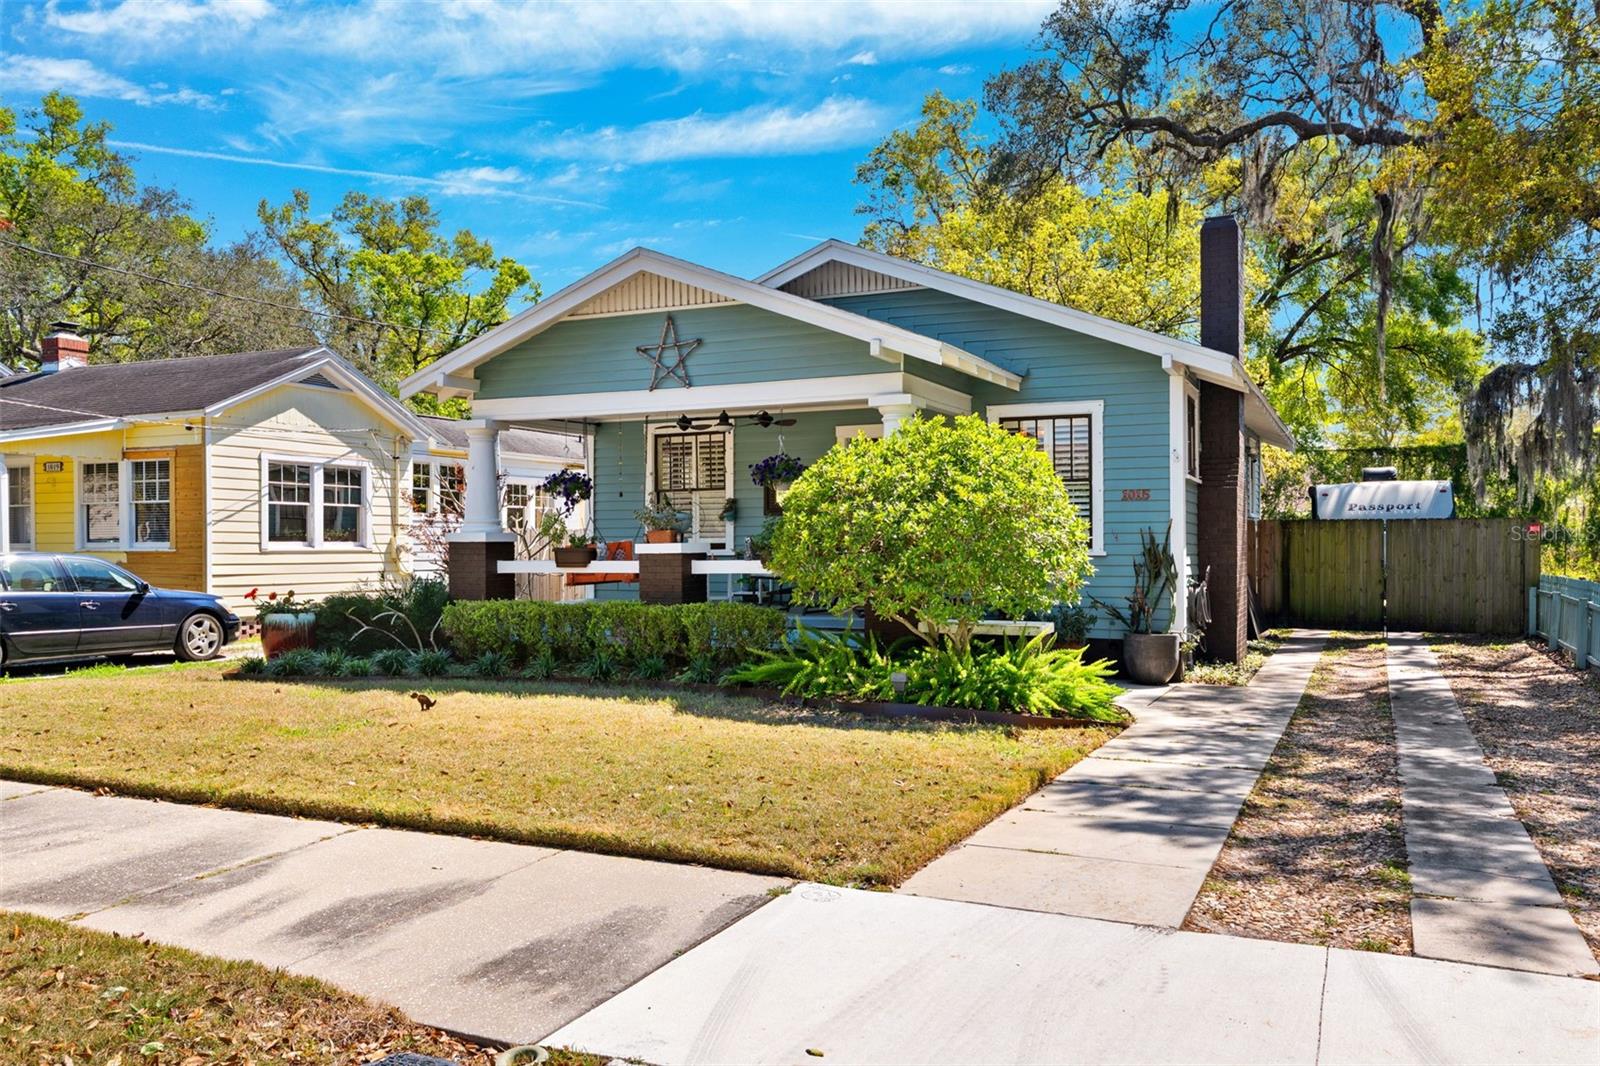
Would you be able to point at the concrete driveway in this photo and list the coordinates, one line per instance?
(498, 941)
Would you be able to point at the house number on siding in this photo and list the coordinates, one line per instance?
(1135, 494)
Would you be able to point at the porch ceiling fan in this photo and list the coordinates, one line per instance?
(764, 419)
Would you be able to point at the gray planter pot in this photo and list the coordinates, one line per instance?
(1150, 658)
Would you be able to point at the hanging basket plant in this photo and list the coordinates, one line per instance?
(776, 470)
(568, 488)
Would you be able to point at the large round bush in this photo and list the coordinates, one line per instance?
(941, 523)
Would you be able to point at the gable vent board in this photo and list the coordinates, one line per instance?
(647, 292)
(319, 381)
(842, 279)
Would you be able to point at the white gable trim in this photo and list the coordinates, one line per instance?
(885, 341)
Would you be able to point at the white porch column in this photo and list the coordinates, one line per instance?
(896, 408)
(481, 520)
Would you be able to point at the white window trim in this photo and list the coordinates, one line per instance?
(124, 507)
(650, 473)
(1191, 435)
(6, 543)
(314, 517)
(130, 528)
(1096, 410)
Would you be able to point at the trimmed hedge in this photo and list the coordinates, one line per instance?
(721, 634)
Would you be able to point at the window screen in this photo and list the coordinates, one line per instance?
(289, 503)
(1069, 441)
(342, 501)
(151, 483)
(19, 506)
(102, 503)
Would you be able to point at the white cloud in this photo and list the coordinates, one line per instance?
(864, 59)
(448, 182)
(762, 130)
(955, 70)
(487, 37)
(149, 21)
(485, 175)
(79, 77)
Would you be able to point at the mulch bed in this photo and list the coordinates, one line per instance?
(1317, 855)
(1538, 721)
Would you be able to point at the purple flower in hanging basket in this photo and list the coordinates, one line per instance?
(569, 488)
(776, 469)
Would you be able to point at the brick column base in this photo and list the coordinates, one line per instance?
(670, 578)
(475, 570)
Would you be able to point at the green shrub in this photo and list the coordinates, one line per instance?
(525, 630)
(492, 664)
(701, 670)
(651, 668)
(541, 667)
(391, 662)
(601, 665)
(404, 615)
(298, 663)
(330, 663)
(254, 666)
(1027, 677)
(356, 666)
(430, 663)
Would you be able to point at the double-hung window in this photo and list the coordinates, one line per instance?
(100, 501)
(1070, 434)
(314, 504)
(452, 488)
(691, 471)
(150, 481)
(421, 484)
(1191, 431)
(19, 506)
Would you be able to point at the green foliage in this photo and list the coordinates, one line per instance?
(701, 670)
(254, 666)
(1155, 581)
(403, 614)
(1073, 621)
(356, 666)
(330, 663)
(568, 633)
(298, 663)
(378, 259)
(651, 668)
(391, 662)
(940, 523)
(542, 667)
(492, 664)
(603, 664)
(433, 662)
(1026, 677)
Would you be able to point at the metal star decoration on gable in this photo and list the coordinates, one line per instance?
(661, 368)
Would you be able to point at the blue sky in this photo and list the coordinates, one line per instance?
(565, 133)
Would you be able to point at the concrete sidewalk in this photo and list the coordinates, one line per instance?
(1130, 833)
(1482, 891)
(499, 941)
(865, 977)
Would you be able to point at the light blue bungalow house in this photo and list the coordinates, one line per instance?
(680, 378)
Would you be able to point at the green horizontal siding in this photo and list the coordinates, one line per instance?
(739, 344)
(1059, 364)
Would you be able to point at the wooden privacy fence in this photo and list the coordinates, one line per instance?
(1457, 575)
(1566, 613)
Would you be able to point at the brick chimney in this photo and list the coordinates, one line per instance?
(1222, 536)
(63, 349)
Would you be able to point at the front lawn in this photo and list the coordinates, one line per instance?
(69, 994)
(723, 780)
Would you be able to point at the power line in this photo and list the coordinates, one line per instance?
(295, 309)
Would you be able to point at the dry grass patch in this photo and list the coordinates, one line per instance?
(1538, 722)
(69, 994)
(722, 780)
(1317, 855)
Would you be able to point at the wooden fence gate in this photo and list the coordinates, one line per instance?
(1457, 575)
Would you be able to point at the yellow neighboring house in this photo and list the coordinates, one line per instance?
(273, 470)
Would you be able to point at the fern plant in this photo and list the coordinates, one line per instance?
(822, 665)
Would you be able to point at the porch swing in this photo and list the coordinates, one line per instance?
(620, 551)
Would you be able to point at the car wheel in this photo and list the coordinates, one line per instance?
(200, 637)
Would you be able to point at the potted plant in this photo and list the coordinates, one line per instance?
(759, 547)
(1149, 658)
(578, 550)
(285, 622)
(775, 474)
(1073, 622)
(663, 523)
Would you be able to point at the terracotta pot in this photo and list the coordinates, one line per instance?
(576, 556)
(1150, 658)
(286, 632)
(662, 536)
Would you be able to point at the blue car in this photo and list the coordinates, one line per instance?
(80, 607)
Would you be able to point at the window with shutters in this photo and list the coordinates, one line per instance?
(151, 483)
(1071, 436)
(691, 470)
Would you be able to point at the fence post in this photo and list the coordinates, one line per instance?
(1533, 610)
(1580, 643)
(1553, 627)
